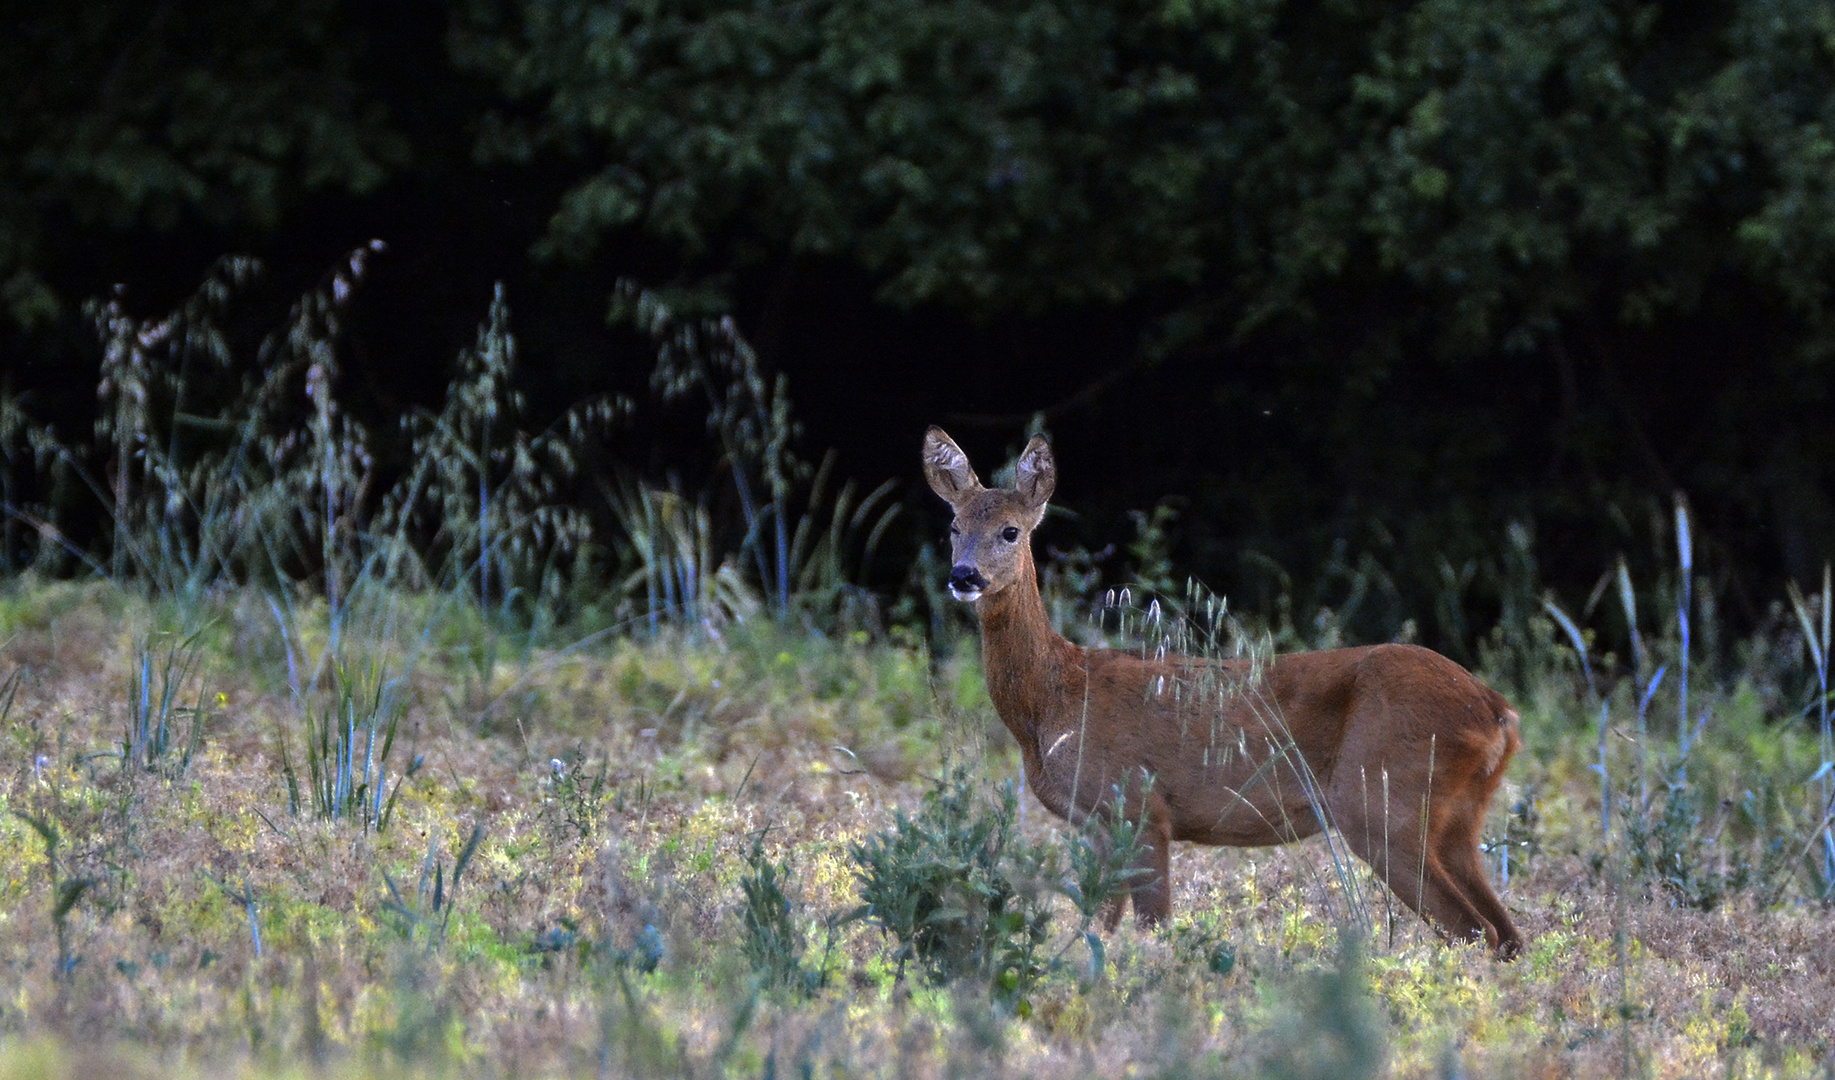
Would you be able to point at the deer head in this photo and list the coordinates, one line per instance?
(990, 540)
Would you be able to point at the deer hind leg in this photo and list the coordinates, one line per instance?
(1457, 848)
(1406, 840)
(1463, 867)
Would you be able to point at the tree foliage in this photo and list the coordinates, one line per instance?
(1474, 174)
(123, 115)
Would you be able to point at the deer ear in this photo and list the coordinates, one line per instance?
(1036, 475)
(947, 468)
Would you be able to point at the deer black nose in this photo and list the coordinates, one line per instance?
(965, 578)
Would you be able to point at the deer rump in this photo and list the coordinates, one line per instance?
(1395, 747)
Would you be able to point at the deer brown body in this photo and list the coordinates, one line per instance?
(1395, 747)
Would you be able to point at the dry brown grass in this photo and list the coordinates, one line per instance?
(702, 745)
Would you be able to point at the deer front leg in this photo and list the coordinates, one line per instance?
(1153, 883)
(1150, 879)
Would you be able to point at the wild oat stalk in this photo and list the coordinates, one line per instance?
(326, 467)
(26, 449)
(169, 447)
(208, 470)
(484, 497)
(748, 414)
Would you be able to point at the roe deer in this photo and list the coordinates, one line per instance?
(1394, 746)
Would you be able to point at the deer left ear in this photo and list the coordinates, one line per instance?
(1035, 477)
(947, 469)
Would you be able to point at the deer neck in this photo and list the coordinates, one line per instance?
(1022, 658)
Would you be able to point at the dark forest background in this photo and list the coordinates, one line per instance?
(1357, 291)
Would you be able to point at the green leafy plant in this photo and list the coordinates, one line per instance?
(1101, 871)
(576, 795)
(1669, 847)
(347, 772)
(1330, 1028)
(154, 708)
(426, 913)
(957, 891)
(66, 890)
(772, 941)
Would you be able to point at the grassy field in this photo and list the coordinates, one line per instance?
(643, 856)
(509, 761)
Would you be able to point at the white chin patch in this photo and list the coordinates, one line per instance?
(967, 596)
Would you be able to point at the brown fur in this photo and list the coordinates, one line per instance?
(1226, 751)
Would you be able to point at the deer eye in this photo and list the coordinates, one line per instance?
(1010, 533)
(954, 530)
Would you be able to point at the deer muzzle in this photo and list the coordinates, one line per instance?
(966, 583)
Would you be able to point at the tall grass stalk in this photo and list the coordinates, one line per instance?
(669, 547)
(1813, 617)
(1605, 776)
(1685, 554)
(1627, 599)
(1199, 625)
(245, 896)
(823, 562)
(9, 693)
(1579, 642)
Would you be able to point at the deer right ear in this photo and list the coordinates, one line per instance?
(947, 468)
(1035, 476)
